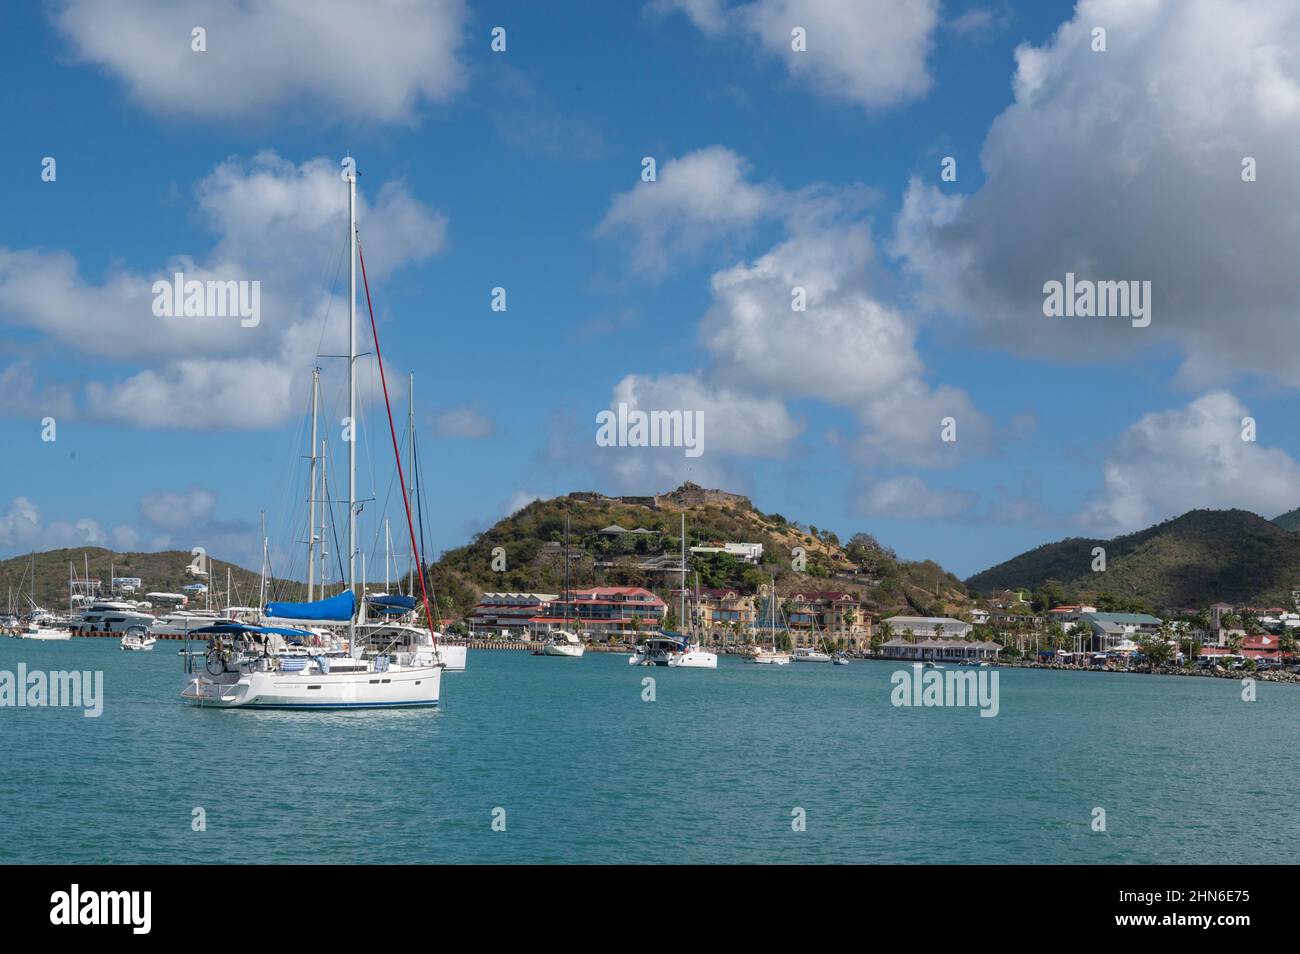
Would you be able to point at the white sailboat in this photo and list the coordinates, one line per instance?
(256, 667)
(770, 655)
(43, 633)
(811, 654)
(562, 641)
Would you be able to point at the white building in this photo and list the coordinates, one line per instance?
(928, 626)
(748, 552)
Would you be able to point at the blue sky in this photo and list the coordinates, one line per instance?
(522, 168)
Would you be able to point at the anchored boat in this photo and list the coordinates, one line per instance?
(298, 667)
(274, 667)
(675, 649)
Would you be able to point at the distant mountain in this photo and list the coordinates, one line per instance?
(530, 541)
(1289, 520)
(1190, 561)
(162, 572)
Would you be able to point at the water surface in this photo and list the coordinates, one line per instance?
(711, 771)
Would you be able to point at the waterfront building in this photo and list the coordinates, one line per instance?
(612, 612)
(925, 627)
(1068, 615)
(724, 615)
(1110, 630)
(943, 649)
(514, 614)
(814, 614)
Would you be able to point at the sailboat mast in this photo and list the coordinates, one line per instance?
(352, 378)
(325, 509)
(410, 465)
(261, 590)
(311, 502)
(682, 618)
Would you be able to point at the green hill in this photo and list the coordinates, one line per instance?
(1193, 560)
(532, 543)
(163, 572)
(1289, 520)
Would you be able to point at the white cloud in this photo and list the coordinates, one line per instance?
(25, 393)
(1173, 461)
(125, 537)
(463, 422)
(735, 421)
(173, 510)
(276, 223)
(23, 528)
(518, 501)
(910, 498)
(697, 200)
(332, 59)
(1126, 165)
(848, 349)
(869, 52)
(167, 519)
(21, 523)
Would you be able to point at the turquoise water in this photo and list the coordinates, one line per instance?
(709, 772)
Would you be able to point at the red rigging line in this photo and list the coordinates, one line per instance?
(410, 526)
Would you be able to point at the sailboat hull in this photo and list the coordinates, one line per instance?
(562, 649)
(47, 635)
(695, 659)
(279, 690)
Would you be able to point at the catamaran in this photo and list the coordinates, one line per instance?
(259, 666)
(676, 650)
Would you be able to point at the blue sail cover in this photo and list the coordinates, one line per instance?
(338, 609)
(391, 605)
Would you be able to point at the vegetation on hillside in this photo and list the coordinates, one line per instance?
(162, 572)
(1193, 560)
(531, 555)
